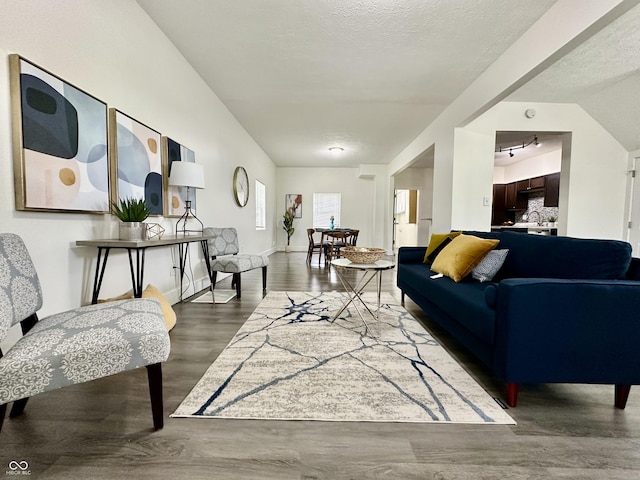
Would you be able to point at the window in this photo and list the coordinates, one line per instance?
(261, 209)
(326, 205)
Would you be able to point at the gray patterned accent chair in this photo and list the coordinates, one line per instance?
(224, 249)
(76, 346)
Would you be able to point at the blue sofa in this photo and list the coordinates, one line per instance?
(560, 310)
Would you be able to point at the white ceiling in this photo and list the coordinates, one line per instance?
(369, 76)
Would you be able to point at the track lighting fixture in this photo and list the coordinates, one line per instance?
(533, 141)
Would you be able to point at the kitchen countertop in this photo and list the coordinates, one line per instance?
(524, 227)
(527, 228)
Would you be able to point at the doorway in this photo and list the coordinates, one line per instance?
(633, 233)
(405, 218)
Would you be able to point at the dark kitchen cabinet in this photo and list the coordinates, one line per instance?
(515, 200)
(552, 190)
(499, 213)
(531, 184)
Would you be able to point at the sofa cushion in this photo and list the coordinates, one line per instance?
(542, 256)
(463, 301)
(436, 243)
(457, 259)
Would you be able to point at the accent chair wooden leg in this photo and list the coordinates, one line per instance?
(264, 278)
(154, 374)
(18, 407)
(214, 279)
(512, 394)
(3, 411)
(236, 277)
(622, 394)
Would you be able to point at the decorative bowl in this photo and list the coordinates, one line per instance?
(363, 254)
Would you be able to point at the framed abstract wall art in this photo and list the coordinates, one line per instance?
(293, 204)
(59, 143)
(177, 196)
(136, 162)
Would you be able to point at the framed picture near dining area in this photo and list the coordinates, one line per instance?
(293, 204)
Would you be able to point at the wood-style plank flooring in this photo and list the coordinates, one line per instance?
(103, 429)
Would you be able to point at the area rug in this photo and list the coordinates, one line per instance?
(289, 361)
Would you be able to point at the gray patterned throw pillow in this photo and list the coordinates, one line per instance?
(489, 265)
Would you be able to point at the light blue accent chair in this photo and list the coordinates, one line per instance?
(72, 347)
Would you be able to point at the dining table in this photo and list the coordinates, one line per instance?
(333, 238)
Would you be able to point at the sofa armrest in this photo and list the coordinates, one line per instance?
(578, 331)
(411, 254)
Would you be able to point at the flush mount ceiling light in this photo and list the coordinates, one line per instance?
(336, 150)
(533, 142)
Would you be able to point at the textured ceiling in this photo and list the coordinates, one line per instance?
(602, 75)
(369, 76)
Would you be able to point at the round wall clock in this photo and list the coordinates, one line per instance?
(241, 186)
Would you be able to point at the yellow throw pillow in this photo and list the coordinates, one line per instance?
(436, 243)
(125, 296)
(167, 309)
(457, 259)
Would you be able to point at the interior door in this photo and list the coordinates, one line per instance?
(634, 213)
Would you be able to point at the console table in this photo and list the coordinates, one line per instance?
(140, 247)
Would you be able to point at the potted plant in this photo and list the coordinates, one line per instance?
(287, 225)
(552, 221)
(131, 212)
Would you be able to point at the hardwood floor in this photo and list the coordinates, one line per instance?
(103, 429)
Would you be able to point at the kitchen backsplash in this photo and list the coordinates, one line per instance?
(536, 204)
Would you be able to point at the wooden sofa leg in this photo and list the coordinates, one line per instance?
(154, 374)
(402, 297)
(512, 394)
(622, 394)
(18, 407)
(264, 279)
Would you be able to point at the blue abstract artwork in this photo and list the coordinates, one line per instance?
(177, 196)
(61, 159)
(137, 161)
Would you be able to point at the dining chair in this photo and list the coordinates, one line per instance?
(353, 239)
(336, 241)
(76, 346)
(313, 246)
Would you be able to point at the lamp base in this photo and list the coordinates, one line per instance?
(182, 225)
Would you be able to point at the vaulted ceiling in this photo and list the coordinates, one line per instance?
(369, 76)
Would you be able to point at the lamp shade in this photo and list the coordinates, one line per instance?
(186, 174)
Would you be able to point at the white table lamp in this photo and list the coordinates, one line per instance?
(190, 175)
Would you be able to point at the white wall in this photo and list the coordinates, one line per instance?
(593, 182)
(557, 32)
(535, 166)
(359, 200)
(115, 52)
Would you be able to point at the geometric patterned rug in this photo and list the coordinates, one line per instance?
(290, 362)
